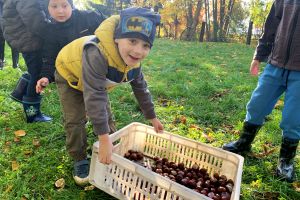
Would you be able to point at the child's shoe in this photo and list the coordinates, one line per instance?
(81, 172)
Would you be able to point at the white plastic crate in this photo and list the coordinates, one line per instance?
(125, 179)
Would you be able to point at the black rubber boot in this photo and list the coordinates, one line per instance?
(32, 110)
(285, 168)
(21, 88)
(243, 144)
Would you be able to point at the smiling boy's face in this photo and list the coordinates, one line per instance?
(132, 50)
(60, 10)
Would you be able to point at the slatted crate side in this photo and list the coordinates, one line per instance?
(178, 149)
(143, 138)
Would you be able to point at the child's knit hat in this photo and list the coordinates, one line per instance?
(138, 23)
(70, 2)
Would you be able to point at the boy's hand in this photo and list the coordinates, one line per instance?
(41, 84)
(105, 149)
(254, 68)
(157, 125)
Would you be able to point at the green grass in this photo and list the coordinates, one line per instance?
(208, 84)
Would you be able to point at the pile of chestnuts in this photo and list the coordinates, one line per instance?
(134, 155)
(217, 187)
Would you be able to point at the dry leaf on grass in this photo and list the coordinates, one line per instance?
(27, 153)
(278, 104)
(15, 165)
(20, 133)
(267, 151)
(89, 188)
(8, 189)
(296, 185)
(60, 183)
(17, 139)
(36, 142)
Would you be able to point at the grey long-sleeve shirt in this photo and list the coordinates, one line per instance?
(94, 70)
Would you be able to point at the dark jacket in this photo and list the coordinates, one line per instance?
(23, 23)
(81, 23)
(280, 42)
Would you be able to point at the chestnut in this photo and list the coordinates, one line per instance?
(139, 156)
(172, 177)
(216, 175)
(156, 158)
(158, 171)
(164, 160)
(192, 183)
(180, 173)
(195, 167)
(207, 183)
(217, 197)
(230, 181)
(221, 189)
(127, 155)
(204, 192)
(181, 166)
(189, 174)
(133, 156)
(225, 196)
(184, 181)
(229, 187)
(223, 177)
(211, 195)
(203, 170)
(199, 184)
(178, 178)
(173, 172)
(159, 166)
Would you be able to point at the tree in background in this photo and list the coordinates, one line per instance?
(203, 20)
(258, 14)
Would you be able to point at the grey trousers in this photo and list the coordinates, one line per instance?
(75, 118)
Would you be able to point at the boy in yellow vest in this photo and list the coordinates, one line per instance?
(89, 66)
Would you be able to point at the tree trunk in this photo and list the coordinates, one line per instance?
(222, 17)
(207, 16)
(195, 20)
(201, 36)
(189, 22)
(215, 18)
(176, 23)
(249, 35)
(228, 16)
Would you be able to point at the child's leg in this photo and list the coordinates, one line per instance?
(74, 118)
(270, 86)
(290, 123)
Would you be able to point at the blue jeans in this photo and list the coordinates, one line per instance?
(273, 82)
(34, 63)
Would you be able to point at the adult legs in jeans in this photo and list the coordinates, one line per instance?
(74, 123)
(32, 100)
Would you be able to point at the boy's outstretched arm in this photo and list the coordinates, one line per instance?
(105, 149)
(157, 125)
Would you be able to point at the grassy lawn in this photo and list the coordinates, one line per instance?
(203, 85)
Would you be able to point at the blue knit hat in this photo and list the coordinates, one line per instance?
(138, 23)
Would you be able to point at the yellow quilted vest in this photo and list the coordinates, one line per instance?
(69, 60)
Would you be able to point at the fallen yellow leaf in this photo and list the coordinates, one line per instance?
(36, 142)
(296, 186)
(20, 133)
(15, 165)
(89, 188)
(60, 183)
(8, 189)
(17, 139)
